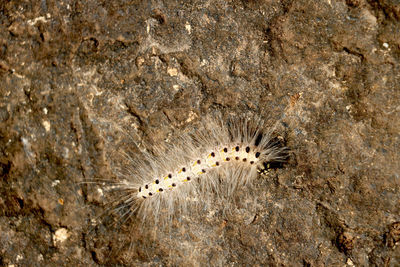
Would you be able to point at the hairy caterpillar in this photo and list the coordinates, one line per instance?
(208, 164)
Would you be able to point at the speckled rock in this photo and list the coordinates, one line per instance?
(82, 81)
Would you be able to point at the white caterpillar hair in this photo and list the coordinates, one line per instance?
(207, 164)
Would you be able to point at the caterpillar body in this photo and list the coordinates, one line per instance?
(208, 164)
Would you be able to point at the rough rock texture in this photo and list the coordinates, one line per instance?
(82, 81)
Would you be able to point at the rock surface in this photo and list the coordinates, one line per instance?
(83, 80)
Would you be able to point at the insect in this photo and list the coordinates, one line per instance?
(211, 162)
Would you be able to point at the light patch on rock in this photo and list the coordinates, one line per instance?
(172, 71)
(60, 236)
(188, 27)
(46, 125)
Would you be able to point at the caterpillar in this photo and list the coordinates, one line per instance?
(207, 164)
